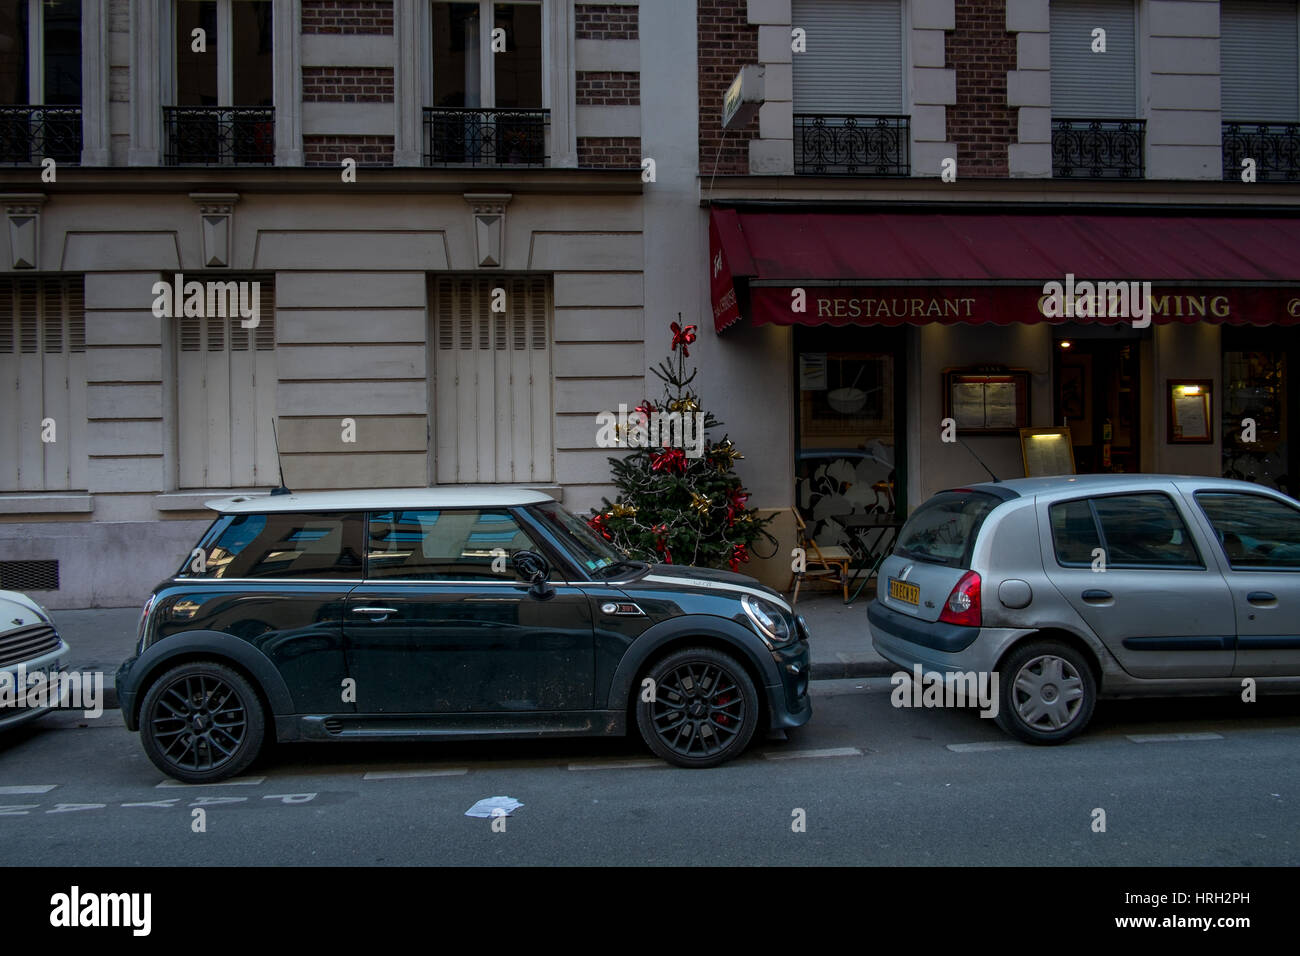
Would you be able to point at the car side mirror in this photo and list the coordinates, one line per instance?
(532, 567)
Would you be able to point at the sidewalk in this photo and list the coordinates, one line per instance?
(101, 638)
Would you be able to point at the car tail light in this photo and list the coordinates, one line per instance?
(963, 604)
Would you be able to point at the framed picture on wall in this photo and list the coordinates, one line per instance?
(987, 401)
(1190, 420)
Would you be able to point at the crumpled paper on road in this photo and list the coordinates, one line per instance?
(494, 807)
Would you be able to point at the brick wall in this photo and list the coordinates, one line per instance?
(609, 152)
(981, 123)
(331, 150)
(347, 16)
(726, 43)
(347, 84)
(605, 21)
(608, 89)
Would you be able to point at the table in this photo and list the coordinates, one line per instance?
(869, 555)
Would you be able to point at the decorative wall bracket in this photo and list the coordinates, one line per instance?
(216, 212)
(489, 227)
(23, 211)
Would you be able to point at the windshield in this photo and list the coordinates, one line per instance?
(593, 552)
(943, 530)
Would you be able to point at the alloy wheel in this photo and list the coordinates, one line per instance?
(698, 709)
(198, 723)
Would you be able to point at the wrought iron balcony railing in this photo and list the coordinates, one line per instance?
(29, 134)
(1098, 148)
(846, 145)
(474, 137)
(1275, 148)
(219, 135)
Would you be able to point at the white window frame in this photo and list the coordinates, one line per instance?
(487, 76)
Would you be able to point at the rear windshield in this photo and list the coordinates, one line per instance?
(279, 545)
(943, 530)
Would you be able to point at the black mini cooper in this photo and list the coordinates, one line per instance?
(449, 613)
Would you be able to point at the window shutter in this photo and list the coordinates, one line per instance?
(1260, 61)
(1087, 85)
(854, 61)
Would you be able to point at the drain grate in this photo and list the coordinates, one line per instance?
(29, 575)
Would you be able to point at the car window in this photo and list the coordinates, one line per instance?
(280, 545)
(1144, 530)
(447, 544)
(1074, 532)
(943, 530)
(1253, 530)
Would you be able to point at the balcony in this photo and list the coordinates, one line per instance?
(1275, 148)
(29, 134)
(848, 145)
(219, 135)
(1098, 148)
(475, 137)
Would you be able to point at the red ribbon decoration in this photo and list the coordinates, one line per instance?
(682, 337)
(738, 554)
(674, 459)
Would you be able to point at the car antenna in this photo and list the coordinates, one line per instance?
(979, 459)
(282, 490)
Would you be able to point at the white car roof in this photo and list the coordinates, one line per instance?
(1063, 486)
(382, 499)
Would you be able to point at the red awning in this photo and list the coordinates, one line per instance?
(995, 265)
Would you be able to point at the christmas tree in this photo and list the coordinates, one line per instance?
(679, 501)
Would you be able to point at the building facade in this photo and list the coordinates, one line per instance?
(467, 225)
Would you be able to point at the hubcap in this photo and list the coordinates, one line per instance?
(1048, 692)
(198, 722)
(698, 709)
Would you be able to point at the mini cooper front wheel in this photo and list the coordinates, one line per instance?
(201, 722)
(703, 709)
(1047, 693)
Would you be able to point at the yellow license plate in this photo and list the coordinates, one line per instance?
(903, 591)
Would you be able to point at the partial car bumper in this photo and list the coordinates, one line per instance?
(126, 692)
(789, 704)
(12, 712)
(938, 647)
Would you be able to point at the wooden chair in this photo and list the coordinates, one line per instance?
(829, 562)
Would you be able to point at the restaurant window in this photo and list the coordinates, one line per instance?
(848, 89)
(849, 409)
(1259, 64)
(40, 81)
(486, 93)
(1256, 394)
(1095, 130)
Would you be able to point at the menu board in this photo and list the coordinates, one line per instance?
(1046, 451)
(1189, 412)
(987, 401)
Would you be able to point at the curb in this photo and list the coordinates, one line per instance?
(825, 670)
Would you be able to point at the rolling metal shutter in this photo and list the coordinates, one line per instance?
(1259, 60)
(854, 61)
(1087, 85)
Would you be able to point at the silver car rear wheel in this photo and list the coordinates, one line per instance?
(1047, 692)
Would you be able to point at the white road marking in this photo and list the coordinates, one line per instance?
(33, 788)
(983, 745)
(618, 764)
(404, 774)
(241, 782)
(1160, 738)
(797, 754)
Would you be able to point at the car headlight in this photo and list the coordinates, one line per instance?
(768, 621)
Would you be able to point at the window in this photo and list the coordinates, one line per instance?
(1255, 387)
(492, 388)
(944, 529)
(487, 103)
(1259, 63)
(223, 97)
(450, 545)
(593, 552)
(40, 81)
(225, 388)
(848, 88)
(1141, 530)
(43, 370)
(281, 545)
(1254, 531)
(1094, 95)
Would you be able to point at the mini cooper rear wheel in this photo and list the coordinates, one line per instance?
(704, 708)
(1047, 693)
(202, 722)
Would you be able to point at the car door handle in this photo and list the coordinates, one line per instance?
(1262, 598)
(1096, 595)
(377, 613)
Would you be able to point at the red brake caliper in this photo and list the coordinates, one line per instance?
(722, 702)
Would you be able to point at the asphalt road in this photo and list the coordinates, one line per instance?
(1186, 782)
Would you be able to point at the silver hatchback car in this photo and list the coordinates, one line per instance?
(1075, 587)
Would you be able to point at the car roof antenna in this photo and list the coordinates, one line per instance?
(282, 490)
(979, 459)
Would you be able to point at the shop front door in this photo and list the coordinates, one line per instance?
(1096, 394)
